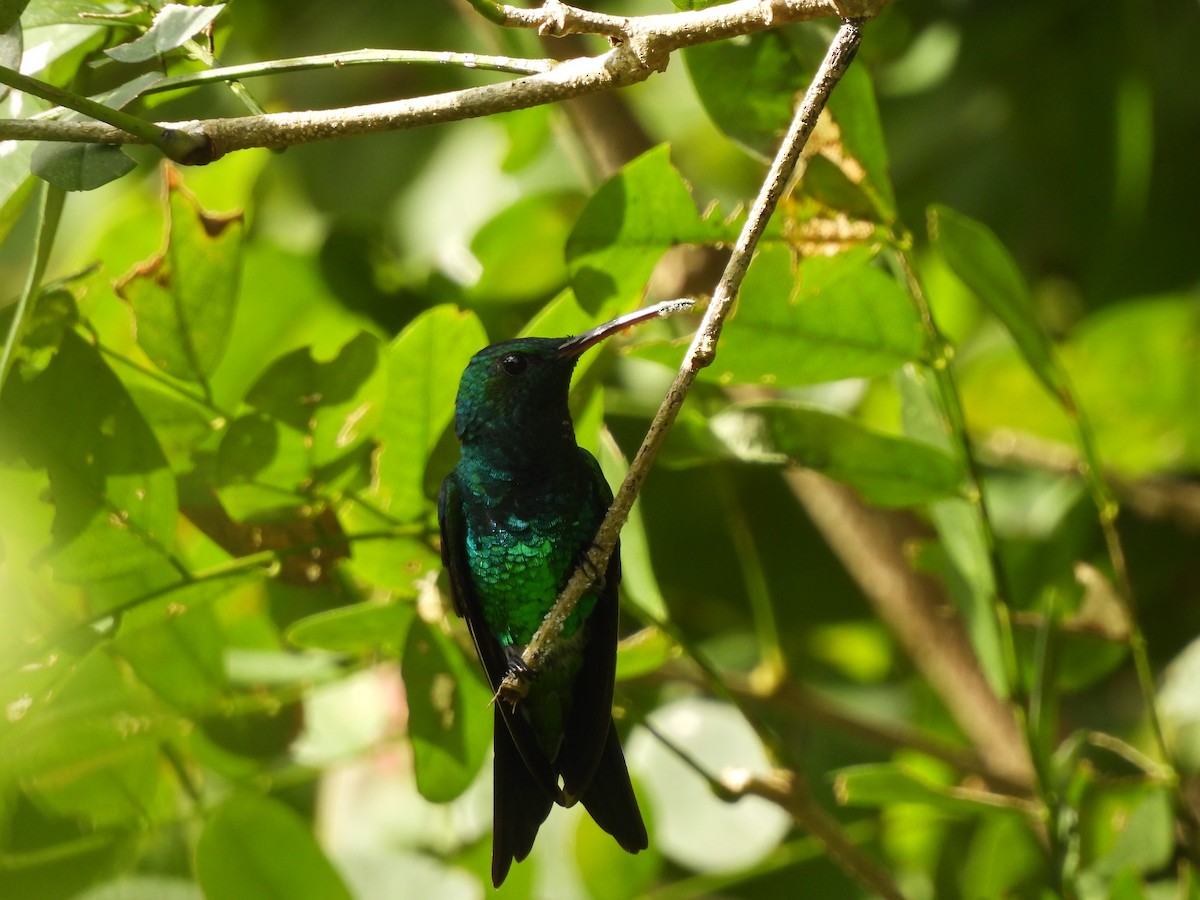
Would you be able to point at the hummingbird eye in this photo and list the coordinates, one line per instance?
(514, 364)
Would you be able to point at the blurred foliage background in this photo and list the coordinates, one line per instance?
(223, 631)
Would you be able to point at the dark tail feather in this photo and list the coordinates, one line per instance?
(520, 807)
(610, 801)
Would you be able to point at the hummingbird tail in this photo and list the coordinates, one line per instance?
(520, 806)
(609, 798)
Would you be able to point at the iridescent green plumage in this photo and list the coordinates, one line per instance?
(516, 514)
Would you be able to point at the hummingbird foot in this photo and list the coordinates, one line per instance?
(593, 572)
(517, 680)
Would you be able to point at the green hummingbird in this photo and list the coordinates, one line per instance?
(517, 514)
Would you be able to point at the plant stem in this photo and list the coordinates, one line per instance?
(50, 206)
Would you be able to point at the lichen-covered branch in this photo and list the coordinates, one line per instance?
(642, 46)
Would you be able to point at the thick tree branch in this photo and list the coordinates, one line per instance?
(699, 355)
(870, 544)
(643, 46)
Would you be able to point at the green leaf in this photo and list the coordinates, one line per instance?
(886, 470)
(180, 425)
(638, 582)
(423, 365)
(114, 496)
(627, 225)
(176, 645)
(80, 167)
(856, 113)
(521, 249)
(886, 784)
(89, 749)
(1136, 373)
(172, 27)
(362, 629)
(11, 43)
(750, 87)
(1126, 827)
(825, 319)
(449, 713)
(184, 298)
(144, 887)
(1004, 855)
(646, 650)
(309, 431)
(972, 580)
(255, 848)
(978, 258)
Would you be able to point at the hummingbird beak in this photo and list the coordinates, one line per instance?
(574, 346)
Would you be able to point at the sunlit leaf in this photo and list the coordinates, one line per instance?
(886, 470)
(885, 784)
(449, 713)
(972, 581)
(172, 27)
(1004, 855)
(521, 249)
(255, 848)
(977, 257)
(114, 497)
(184, 298)
(362, 628)
(751, 86)
(637, 574)
(91, 749)
(177, 647)
(627, 225)
(423, 368)
(1135, 371)
(643, 652)
(825, 319)
(310, 421)
(1126, 827)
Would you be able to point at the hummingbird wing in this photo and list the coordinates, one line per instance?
(496, 663)
(520, 805)
(591, 762)
(591, 705)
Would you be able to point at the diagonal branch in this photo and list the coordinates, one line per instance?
(699, 355)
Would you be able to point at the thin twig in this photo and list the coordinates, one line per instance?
(789, 791)
(699, 355)
(644, 47)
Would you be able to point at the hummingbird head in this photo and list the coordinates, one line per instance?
(514, 394)
(512, 399)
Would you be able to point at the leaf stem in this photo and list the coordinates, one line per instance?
(50, 207)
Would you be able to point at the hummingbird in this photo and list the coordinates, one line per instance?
(516, 515)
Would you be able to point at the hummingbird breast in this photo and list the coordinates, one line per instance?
(523, 540)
